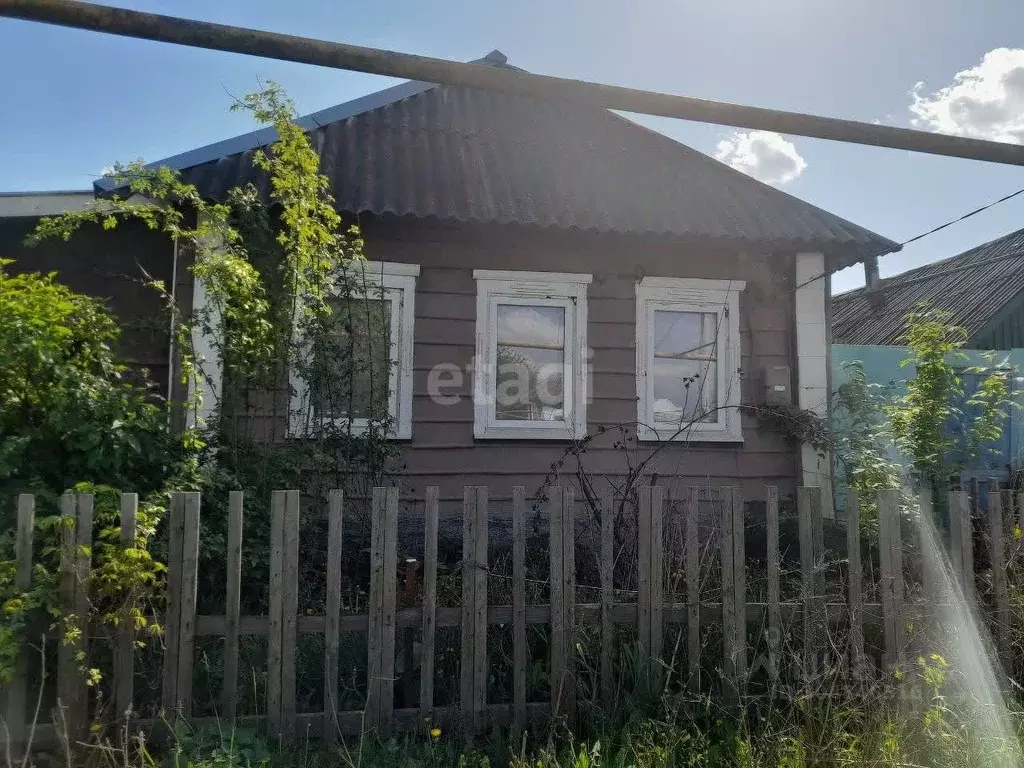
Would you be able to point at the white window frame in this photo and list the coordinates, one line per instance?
(678, 294)
(557, 289)
(395, 283)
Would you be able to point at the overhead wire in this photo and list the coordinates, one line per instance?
(931, 231)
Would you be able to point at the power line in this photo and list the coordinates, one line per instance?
(222, 37)
(932, 231)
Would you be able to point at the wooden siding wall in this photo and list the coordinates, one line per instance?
(443, 451)
(110, 266)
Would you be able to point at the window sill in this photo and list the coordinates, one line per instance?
(525, 433)
(648, 435)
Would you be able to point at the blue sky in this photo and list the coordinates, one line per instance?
(73, 102)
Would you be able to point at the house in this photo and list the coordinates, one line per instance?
(983, 291)
(96, 263)
(628, 264)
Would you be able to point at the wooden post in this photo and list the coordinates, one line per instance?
(409, 585)
(607, 568)
(332, 618)
(468, 624)
(474, 607)
(561, 630)
(187, 611)
(390, 600)
(124, 659)
(811, 583)
(568, 687)
(733, 593)
(929, 576)
(375, 608)
(730, 685)
(172, 624)
(519, 607)
(962, 541)
(855, 576)
(1000, 597)
(290, 612)
(657, 583)
(692, 567)
(17, 688)
(275, 617)
(774, 569)
(383, 594)
(76, 543)
(232, 606)
(890, 542)
(429, 606)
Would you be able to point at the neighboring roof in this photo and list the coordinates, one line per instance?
(468, 155)
(974, 287)
(34, 204)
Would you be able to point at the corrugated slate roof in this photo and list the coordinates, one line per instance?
(469, 155)
(974, 286)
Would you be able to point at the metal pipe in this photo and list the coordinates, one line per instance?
(222, 37)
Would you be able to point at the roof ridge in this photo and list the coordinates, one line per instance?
(266, 134)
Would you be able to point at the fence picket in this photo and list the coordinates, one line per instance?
(657, 581)
(390, 599)
(332, 619)
(429, 605)
(811, 564)
(997, 554)
(961, 534)
(929, 576)
(772, 556)
(855, 577)
(607, 567)
(290, 609)
(692, 568)
(187, 615)
(175, 535)
(76, 541)
(519, 607)
(558, 629)
(275, 617)
(739, 565)
(17, 688)
(124, 658)
(375, 632)
(568, 686)
(468, 603)
(232, 605)
(730, 619)
(890, 542)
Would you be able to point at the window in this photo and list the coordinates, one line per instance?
(370, 333)
(531, 345)
(687, 359)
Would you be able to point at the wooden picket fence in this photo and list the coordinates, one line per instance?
(810, 617)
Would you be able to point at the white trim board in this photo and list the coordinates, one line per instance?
(812, 367)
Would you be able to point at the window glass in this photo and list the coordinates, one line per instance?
(684, 367)
(356, 337)
(530, 364)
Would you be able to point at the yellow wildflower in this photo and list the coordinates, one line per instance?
(435, 733)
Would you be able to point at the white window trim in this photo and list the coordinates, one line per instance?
(568, 290)
(690, 295)
(398, 284)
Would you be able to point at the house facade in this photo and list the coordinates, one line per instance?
(642, 288)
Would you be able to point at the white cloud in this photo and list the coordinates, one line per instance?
(542, 326)
(986, 101)
(765, 155)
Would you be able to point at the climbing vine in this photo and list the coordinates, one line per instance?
(286, 300)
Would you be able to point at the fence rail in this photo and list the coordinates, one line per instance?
(815, 613)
